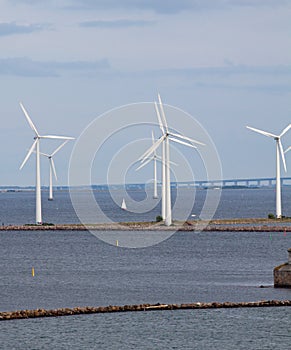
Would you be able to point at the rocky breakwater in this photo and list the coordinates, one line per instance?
(191, 226)
(282, 274)
(24, 314)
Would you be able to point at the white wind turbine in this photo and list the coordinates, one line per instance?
(154, 158)
(35, 146)
(164, 140)
(279, 151)
(52, 168)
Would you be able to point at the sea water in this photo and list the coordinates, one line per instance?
(74, 268)
(19, 207)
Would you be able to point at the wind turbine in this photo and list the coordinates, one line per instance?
(154, 158)
(35, 146)
(165, 139)
(279, 151)
(52, 168)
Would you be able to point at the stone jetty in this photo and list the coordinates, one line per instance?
(232, 225)
(25, 314)
(282, 274)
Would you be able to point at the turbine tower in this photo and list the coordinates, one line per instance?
(279, 151)
(165, 139)
(35, 146)
(52, 168)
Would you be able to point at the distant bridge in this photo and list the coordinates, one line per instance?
(244, 182)
(248, 182)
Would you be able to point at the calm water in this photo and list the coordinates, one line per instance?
(77, 269)
(19, 207)
(228, 329)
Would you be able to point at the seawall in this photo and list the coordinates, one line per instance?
(151, 227)
(25, 314)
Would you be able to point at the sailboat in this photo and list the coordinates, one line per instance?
(123, 205)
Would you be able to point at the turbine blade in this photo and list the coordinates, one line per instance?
(282, 155)
(187, 139)
(43, 154)
(159, 118)
(285, 130)
(163, 113)
(262, 132)
(161, 161)
(28, 154)
(287, 150)
(56, 137)
(182, 142)
(152, 148)
(61, 146)
(29, 120)
(173, 163)
(52, 163)
(143, 164)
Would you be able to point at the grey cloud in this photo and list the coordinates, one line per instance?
(279, 88)
(121, 23)
(81, 65)
(164, 7)
(229, 70)
(11, 28)
(22, 66)
(172, 6)
(271, 79)
(254, 78)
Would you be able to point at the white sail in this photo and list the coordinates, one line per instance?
(123, 205)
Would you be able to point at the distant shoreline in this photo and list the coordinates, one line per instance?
(220, 225)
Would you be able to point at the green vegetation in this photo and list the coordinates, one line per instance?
(271, 216)
(159, 218)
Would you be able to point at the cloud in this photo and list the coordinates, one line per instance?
(25, 67)
(164, 7)
(232, 69)
(120, 23)
(172, 6)
(270, 79)
(12, 28)
(274, 79)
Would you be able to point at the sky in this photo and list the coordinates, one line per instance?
(227, 63)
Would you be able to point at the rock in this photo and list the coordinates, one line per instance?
(282, 274)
